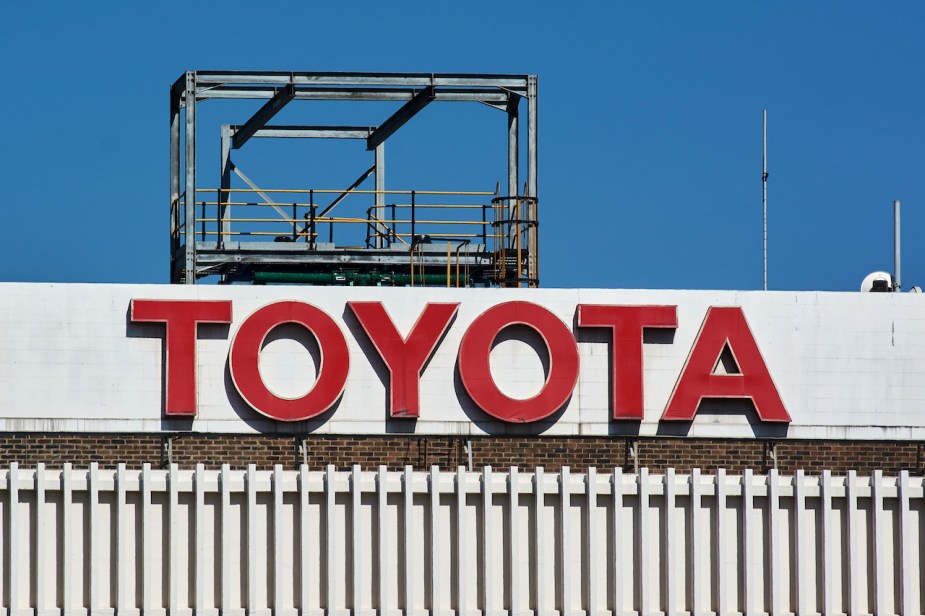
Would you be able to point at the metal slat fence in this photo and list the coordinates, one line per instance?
(284, 542)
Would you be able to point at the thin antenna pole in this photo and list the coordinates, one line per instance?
(896, 252)
(764, 192)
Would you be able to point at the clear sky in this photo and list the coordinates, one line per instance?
(650, 128)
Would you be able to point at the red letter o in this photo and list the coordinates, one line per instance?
(244, 358)
(475, 371)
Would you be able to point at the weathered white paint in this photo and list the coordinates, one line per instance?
(847, 365)
(283, 542)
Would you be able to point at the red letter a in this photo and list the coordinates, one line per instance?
(722, 327)
(404, 357)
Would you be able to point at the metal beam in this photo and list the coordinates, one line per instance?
(256, 189)
(379, 165)
(500, 106)
(341, 196)
(263, 115)
(311, 132)
(513, 144)
(475, 95)
(224, 196)
(407, 111)
(532, 179)
(416, 80)
(532, 145)
(175, 95)
(189, 216)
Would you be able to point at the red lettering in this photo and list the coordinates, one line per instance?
(627, 324)
(404, 357)
(475, 371)
(722, 327)
(244, 357)
(181, 319)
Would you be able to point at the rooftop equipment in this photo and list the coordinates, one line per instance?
(240, 230)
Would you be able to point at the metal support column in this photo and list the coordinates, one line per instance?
(513, 146)
(380, 187)
(532, 155)
(174, 174)
(532, 160)
(223, 221)
(190, 175)
(512, 207)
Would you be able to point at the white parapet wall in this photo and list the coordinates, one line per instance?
(285, 542)
(81, 358)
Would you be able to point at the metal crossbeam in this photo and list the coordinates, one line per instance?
(352, 187)
(312, 132)
(262, 194)
(415, 80)
(475, 95)
(263, 115)
(407, 111)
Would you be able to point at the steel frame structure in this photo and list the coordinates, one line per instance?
(191, 259)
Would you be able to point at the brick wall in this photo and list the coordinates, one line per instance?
(395, 452)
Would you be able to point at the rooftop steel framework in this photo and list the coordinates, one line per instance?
(503, 250)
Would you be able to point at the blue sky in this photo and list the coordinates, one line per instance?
(650, 128)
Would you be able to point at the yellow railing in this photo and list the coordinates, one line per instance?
(227, 214)
(504, 226)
